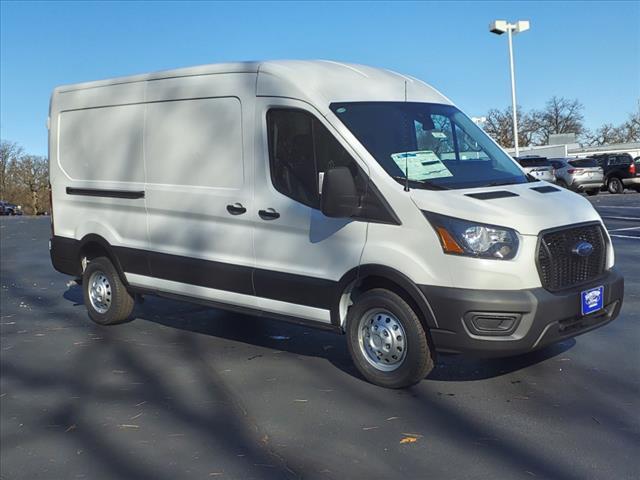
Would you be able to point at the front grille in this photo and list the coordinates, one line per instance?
(560, 267)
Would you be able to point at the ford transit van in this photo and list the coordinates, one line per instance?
(340, 196)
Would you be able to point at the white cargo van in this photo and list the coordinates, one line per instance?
(341, 196)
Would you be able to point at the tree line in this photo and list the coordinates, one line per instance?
(24, 179)
(559, 115)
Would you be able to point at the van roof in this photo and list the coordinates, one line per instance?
(307, 79)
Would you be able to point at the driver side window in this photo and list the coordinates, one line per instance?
(300, 147)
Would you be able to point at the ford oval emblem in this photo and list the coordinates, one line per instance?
(583, 249)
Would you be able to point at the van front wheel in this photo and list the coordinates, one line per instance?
(105, 296)
(387, 342)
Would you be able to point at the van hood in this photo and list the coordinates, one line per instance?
(519, 206)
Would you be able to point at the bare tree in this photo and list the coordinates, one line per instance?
(24, 179)
(560, 115)
(605, 135)
(628, 131)
(499, 125)
(10, 154)
(32, 175)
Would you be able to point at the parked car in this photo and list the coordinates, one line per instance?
(538, 167)
(7, 208)
(620, 171)
(340, 196)
(578, 174)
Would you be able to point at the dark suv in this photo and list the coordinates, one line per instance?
(620, 171)
(7, 208)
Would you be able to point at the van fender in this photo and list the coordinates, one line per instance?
(98, 229)
(91, 239)
(358, 275)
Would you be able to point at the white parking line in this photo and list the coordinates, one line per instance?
(625, 236)
(612, 206)
(626, 228)
(623, 218)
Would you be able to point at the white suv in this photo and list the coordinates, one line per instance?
(538, 167)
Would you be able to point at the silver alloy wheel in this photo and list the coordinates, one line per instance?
(382, 339)
(99, 292)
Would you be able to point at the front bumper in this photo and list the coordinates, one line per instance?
(539, 316)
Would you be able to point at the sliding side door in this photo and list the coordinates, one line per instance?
(199, 188)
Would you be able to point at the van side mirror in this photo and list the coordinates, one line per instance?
(339, 197)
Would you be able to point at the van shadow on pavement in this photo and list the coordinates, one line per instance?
(260, 331)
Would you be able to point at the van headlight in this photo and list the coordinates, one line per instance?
(472, 239)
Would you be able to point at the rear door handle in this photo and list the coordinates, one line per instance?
(268, 214)
(236, 209)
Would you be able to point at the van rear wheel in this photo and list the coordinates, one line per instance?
(105, 296)
(387, 342)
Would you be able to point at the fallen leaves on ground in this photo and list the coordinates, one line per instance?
(409, 440)
(410, 437)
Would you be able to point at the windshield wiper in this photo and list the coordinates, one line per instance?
(531, 178)
(499, 184)
(419, 183)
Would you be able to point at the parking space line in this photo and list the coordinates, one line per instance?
(623, 218)
(612, 206)
(626, 228)
(625, 236)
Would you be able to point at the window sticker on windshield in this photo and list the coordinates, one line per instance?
(437, 134)
(421, 165)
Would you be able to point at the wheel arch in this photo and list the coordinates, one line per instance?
(93, 246)
(366, 277)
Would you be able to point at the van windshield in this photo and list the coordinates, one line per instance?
(435, 146)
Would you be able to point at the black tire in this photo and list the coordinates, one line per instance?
(418, 358)
(614, 185)
(562, 183)
(592, 193)
(114, 295)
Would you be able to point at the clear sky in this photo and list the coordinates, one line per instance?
(584, 50)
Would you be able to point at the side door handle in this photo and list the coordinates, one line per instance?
(268, 214)
(236, 209)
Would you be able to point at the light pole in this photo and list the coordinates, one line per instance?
(499, 27)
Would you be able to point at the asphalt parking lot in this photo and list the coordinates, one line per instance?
(184, 391)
